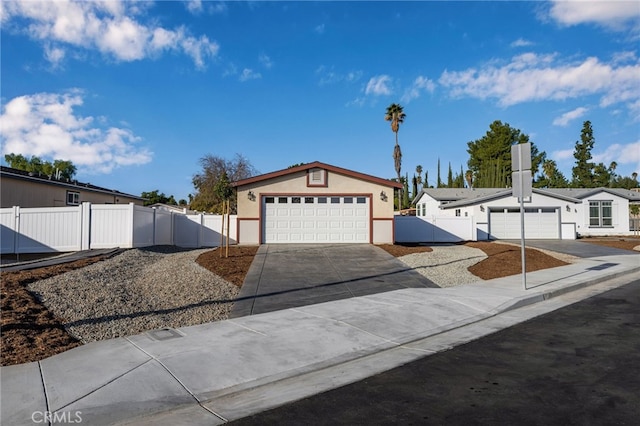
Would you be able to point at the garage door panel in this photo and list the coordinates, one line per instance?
(340, 219)
(539, 223)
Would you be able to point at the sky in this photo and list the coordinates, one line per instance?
(136, 93)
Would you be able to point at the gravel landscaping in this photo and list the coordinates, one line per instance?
(446, 265)
(136, 291)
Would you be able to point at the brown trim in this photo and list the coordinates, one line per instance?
(328, 194)
(317, 164)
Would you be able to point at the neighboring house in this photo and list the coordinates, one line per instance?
(315, 203)
(562, 213)
(172, 208)
(25, 189)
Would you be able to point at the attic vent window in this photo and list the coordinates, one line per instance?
(317, 177)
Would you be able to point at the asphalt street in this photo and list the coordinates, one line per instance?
(575, 366)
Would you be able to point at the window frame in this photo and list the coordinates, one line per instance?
(601, 219)
(75, 198)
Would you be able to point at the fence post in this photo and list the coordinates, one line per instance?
(153, 242)
(16, 228)
(85, 226)
(130, 225)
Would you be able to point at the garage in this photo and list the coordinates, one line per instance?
(315, 203)
(539, 223)
(316, 219)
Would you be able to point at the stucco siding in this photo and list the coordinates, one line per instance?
(25, 193)
(296, 183)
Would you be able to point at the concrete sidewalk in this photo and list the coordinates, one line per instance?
(216, 372)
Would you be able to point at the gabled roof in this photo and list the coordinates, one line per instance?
(582, 193)
(456, 194)
(66, 183)
(461, 197)
(317, 164)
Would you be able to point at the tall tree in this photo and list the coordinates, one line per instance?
(214, 169)
(552, 177)
(450, 177)
(490, 156)
(405, 192)
(395, 114)
(414, 181)
(583, 171)
(439, 181)
(419, 175)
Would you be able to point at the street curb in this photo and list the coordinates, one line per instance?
(251, 398)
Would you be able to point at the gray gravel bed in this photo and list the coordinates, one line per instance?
(446, 265)
(136, 291)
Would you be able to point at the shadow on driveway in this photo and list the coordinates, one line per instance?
(284, 276)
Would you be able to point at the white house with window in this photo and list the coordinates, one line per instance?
(562, 213)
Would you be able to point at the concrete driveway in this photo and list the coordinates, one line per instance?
(576, 248)
(290, 275)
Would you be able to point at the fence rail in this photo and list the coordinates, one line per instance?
(95, 226)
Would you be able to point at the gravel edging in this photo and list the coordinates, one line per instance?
(446, 265)
(136, 291)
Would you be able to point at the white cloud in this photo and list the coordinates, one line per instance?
(565, 118)
(378, 85)
(328, 75)
(111, 27)
(319, 29)
(531, 77)
(194, 6)
(521, 43)
(54, 55)
(46, 125)
(249, 74)
(420, 84)
(612, 14)
(265, 60)
(621, 154)
(562, 155)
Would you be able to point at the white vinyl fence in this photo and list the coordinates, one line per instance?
(421, 229)
(96, 226)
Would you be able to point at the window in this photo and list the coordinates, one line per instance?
(269, 200)
(600, 214)
(361, 200)
(73, 198)
(348, 200)
(282, 200)
(335, 200)
(308, 200)
(295, 200)
(322, 200)
(457, 212)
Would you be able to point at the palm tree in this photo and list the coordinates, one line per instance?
(396, 116)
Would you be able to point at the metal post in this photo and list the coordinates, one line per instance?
(522, 249)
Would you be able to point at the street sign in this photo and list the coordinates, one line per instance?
(521, 157)
(524, 189)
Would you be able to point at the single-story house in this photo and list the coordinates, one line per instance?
(562, 213)
(315, 203)
(26, 189)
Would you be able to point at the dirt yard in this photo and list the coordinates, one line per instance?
(31, 333)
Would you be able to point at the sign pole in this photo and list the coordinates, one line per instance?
(522, 249)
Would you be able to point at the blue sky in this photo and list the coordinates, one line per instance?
(135, 93)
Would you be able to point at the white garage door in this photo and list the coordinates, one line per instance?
(316, 219)
(539, 223)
